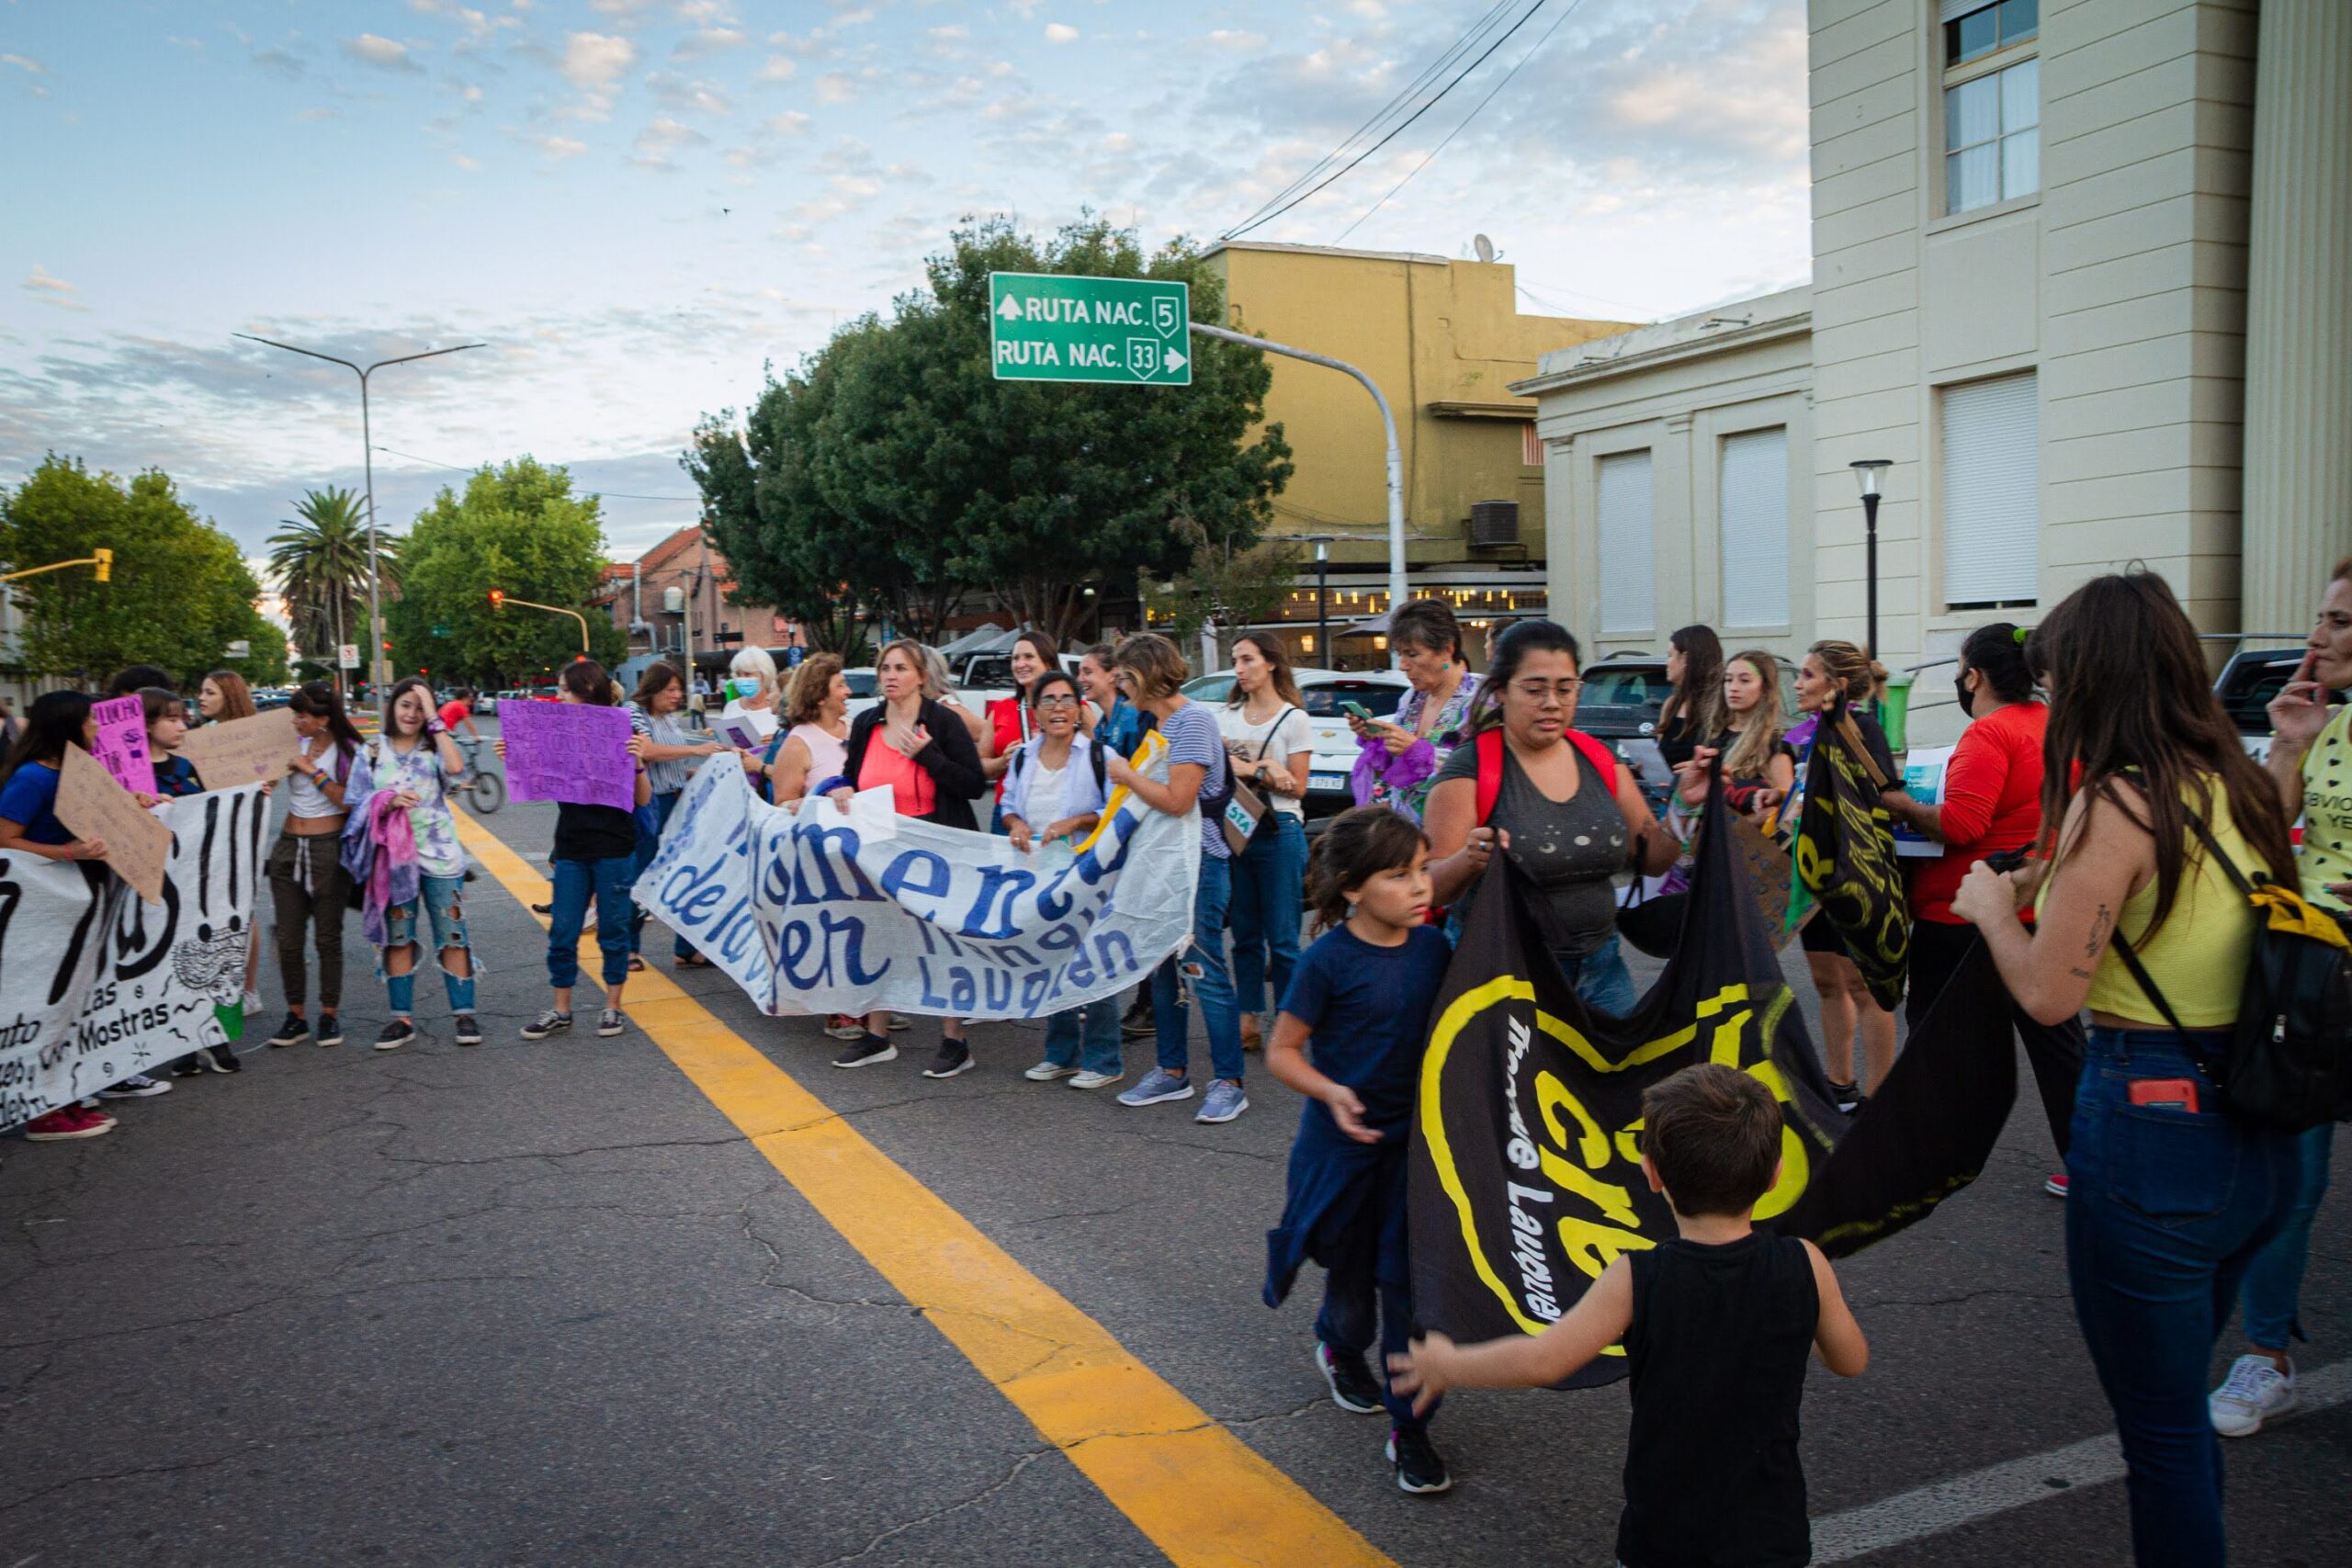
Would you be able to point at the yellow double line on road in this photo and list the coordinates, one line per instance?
(1201, 1494)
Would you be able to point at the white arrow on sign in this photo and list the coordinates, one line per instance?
(1009, 310)
(1174, 363)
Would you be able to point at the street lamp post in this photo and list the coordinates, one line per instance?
(1869, 473)
(1322, 543)
(380, 667)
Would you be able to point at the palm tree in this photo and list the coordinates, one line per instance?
(321, 566)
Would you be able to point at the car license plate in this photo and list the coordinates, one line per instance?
(1327, 781)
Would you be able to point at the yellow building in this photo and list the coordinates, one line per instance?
(1443, 340)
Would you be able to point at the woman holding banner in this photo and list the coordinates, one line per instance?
(1555, 800)
(921, 750)
(224, 698)
(1054, 789)
(1008, 718)
(754, 693)
(401, 844)
(2145, 791)
(670, 756)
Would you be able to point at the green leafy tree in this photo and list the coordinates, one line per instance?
(1226, 586)
(318, 559)
(180, 590)
(892, 472)
(519, 528)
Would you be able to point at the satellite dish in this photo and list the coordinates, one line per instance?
(1483, 246)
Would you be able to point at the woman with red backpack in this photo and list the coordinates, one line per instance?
(1554, 800)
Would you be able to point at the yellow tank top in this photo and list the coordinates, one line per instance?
(2198, 956)
(2327, 856)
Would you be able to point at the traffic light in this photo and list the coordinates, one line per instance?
(498, 598)
(105, 564)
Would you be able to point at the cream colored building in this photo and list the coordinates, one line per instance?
(2073, 261)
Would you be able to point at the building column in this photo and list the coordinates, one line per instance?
(2298, 461)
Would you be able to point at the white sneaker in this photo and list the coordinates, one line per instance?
(1046, 1072)
(2254, 1391)
(1094, 1080)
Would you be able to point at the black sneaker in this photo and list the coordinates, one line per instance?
(865, 1051)
(1419, 1468)
(220, 1058)
(293, 1032)
(189, 1067)
(955, 1057)
(546, 1023)
(330, 1029)
(395, 1034)
(1354, 1388)
(468, 1033)
(1136, 1021)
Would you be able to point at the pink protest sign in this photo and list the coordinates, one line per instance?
(121, 743)
(568, 751)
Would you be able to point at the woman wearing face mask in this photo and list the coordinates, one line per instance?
(307, 886)
(1991, 805)
(753, 692)
(1008, 718)
(1054, 789)
(1398, 761)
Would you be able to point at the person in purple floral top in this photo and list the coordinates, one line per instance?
(1399, 757)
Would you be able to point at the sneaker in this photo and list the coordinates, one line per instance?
(252, 1004)
(2254, 1391)
(1224, 1102)
(1157, 1085)
(865, 1051)
(2056, 1185)
(293, 1032)
(395, 1034)
(138, 1085)
(1846, 1097)
(1352, 1388)
(900, 1020)
(1046, 1072)
(1135, 1023)
(840, 1026)
(67, 1121)
(1089, 1078)
(1419, 1468)
(610, 1022)
(546, 1023)
(189, 1067)
(330, 1029)
(468, 1032)
(955, 1057)
(220, 1058)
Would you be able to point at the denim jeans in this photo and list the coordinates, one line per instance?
(1355, 1305)
(577, 881)
(645, 850)
(1268, 880)
(444, 907)
(2165, 1212)
(1200, 970)
(2276, 1277)
(1601, 977)
(1086, 1037)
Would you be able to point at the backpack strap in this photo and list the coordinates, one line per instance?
(1489, 743)
(1603, 760)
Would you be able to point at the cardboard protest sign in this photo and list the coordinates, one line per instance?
(834, 911)
(244, 750)
(120, 746)
(93, 806)
(575, 753)
(100, 984)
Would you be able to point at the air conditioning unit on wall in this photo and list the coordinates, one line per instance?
(1494, 525)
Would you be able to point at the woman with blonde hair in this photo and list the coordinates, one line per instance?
(939, 685)
(1758, 763)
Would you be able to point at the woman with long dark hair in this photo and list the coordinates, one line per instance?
(1693, 711)
(1563, 806)
(669, 754)
(307, 886)
(1269, 744)
(407, 773)
(1009, 719)
(2145, 791)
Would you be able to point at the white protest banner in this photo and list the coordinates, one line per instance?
(825, 911)
(96, 985)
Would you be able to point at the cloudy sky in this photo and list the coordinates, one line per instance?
(637, 204)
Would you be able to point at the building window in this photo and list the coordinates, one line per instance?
(1992, 103)
(1753, 517)
(1992, 493)
(1628, 552)
(1531, 446)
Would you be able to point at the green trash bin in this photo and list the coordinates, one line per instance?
(1895, 708)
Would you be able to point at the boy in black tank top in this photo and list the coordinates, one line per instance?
(1715, 1324)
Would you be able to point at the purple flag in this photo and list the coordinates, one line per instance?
(568, 751)
(121, 743)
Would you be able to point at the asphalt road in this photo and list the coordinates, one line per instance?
(537, 1304)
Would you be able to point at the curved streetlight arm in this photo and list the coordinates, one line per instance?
(1397, 593)
(553, 610)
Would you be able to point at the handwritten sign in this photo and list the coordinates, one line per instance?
(244, 750)
(121, 744)
(92, 805)
(568, 751)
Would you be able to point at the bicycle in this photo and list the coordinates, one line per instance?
(485, 791)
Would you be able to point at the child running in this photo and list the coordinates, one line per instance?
(1715, 1324)
(1363, 994)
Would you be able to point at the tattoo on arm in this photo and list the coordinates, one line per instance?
(2102, 927)
(2079, 973)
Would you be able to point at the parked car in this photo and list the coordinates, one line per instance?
(485, 702)
(1334, 756)
(984, 678)
(1622, 695)
(2245, 686)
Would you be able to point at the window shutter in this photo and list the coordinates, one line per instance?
(1953, 10)
(1753, 506)
(1628, 552)
(1991, 492)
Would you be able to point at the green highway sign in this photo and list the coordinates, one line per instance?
(1049, 326)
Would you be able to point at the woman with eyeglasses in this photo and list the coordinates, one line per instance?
(1563, 806)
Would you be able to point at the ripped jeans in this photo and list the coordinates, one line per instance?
(443, 900)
